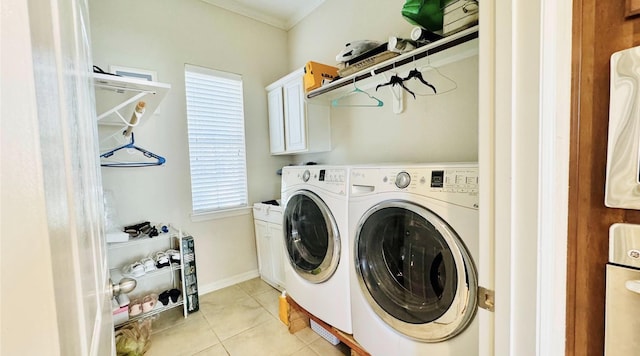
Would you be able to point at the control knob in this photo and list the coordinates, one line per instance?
(306, 175)
(402, 180)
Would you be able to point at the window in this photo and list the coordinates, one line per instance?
(215, 118)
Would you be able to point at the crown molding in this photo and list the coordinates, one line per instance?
(278, 22)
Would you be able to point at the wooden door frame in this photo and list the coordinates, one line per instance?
(600, 28)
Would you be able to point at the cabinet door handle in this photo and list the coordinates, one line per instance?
(633, 285)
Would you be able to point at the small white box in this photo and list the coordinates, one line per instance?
(458, 15)
(117, 236)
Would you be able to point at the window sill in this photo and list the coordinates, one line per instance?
(222, 214)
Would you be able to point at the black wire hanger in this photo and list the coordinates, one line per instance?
(416, 74)
(396, 80)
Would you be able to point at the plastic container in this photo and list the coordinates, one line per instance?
(283, 311)
(324, 333)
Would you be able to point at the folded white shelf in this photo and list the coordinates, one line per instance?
(117, 97)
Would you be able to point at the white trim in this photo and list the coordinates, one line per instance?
(222, 214)
(555, 94)
(486, 158)
(224, 283)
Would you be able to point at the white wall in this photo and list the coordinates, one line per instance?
(431, 129)
(162, 36)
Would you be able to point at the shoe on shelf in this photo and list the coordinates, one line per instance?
(164, 298)
(135, 269)
(174, 255)
(149, 302)
(148, 264)
(162, 260)
(135, 308)
(174, 294)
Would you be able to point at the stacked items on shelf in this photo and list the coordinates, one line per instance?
(362, 54)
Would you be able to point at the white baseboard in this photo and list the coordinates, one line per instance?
(208, 288)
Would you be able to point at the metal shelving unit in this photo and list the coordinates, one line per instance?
(122, 253)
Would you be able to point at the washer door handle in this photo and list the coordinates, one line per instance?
(633, 285)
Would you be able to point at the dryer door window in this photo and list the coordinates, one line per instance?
(311, 237)
(415, 271)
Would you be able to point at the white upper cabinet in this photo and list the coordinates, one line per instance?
(276, 120)
(296, 126)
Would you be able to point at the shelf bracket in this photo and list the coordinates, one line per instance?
(123, 104)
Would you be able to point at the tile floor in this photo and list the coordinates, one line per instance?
(240, 320)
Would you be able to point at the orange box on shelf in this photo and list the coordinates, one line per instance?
(317, 73)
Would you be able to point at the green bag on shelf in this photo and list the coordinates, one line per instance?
(425, 13)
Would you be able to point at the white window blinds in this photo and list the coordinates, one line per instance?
(216, 139)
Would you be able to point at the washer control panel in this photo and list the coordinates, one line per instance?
(331, 179)
(458, 183)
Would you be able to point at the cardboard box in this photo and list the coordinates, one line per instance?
(458, 15)
(315, 74)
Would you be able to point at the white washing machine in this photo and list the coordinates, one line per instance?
(414, 235)
(316, 241)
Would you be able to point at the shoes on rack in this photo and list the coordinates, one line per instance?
(170, 297)
(174, 255)
(162, 260)
(135, 269)
(149, 264)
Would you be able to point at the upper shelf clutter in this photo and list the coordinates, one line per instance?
(449, 49)
(117, 97)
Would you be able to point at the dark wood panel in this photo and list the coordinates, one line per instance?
(600, 28)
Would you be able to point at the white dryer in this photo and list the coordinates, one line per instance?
(316, 241)
(414, 235)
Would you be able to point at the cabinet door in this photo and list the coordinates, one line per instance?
(294, 116)
(277, 251)
(276, 120)
(263, 247)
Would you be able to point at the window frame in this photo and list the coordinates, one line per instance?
(212, 212)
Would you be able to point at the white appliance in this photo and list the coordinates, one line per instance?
(316, 241)
(622, 304)
(414, 234)
(622, 188)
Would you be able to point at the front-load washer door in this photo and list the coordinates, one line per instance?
(311, 237)
(415, 271)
